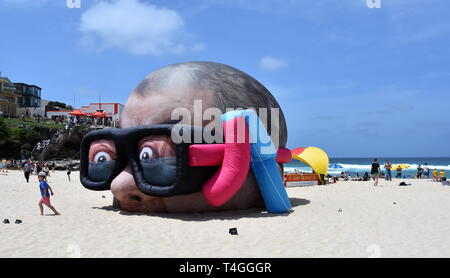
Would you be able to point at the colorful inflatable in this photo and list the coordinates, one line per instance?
(401, 165)
(316, 158)
(148, 171)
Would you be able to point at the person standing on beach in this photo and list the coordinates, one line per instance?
(46, 170)
(375, 171)
(426, 171)
(46, 190)
(435, 175)
(27, 170)
(399, 172)
(5, 166)
(69, 170)
(388, 167)
(419, 172)
(38, 167)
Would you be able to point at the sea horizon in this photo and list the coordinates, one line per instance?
(361, 165)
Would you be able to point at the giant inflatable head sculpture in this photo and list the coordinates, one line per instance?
(161, 159)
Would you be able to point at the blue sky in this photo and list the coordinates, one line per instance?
(352, 80)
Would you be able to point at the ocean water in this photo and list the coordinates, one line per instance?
(351, 166)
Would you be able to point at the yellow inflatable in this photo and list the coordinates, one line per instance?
(403, 166)
(313, 157)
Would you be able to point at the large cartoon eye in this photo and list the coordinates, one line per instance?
(102, 157)
(102, 167)
(146, 154)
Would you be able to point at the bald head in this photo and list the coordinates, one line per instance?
(216, 85)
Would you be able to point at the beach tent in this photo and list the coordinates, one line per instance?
(313, 157)
(335, 166)
(99, 114)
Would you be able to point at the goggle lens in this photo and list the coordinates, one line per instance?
(159, 171)
(102, 155)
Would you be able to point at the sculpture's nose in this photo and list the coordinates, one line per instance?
(130, 198)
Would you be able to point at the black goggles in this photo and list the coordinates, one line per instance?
(153, 174)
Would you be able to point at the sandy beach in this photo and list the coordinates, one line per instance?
(346, 219)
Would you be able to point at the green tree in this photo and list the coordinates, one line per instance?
(21, 139)
(28, 135)
(26, 149)
(58, 104)
(8, 146)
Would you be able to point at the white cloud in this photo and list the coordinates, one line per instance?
(135, 27)
(269, 63)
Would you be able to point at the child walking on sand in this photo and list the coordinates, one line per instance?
(46, 190)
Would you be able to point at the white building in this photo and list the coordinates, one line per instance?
(58, 113)
(113, 110)
(40, 110)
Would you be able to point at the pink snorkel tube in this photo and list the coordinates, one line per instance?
(236, 163)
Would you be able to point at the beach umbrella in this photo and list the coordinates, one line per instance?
(402, 165)
(99, 114)
(78, 112)
(335, 166)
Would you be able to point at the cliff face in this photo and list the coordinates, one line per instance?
(66, 148)
(45, 132)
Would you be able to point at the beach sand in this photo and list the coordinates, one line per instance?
(368, 225)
